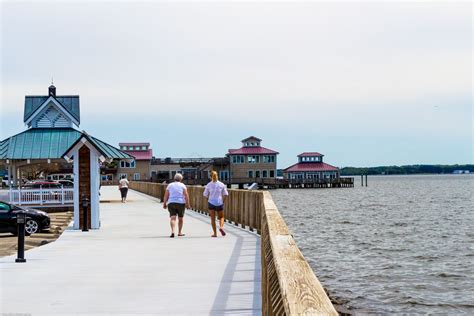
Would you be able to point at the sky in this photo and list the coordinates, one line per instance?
(365, 83)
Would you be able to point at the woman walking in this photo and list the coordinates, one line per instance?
(215, 192)
(176, 200)
(123, 187)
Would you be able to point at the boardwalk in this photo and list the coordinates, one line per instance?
(131, 267)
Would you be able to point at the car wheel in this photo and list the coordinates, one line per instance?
(31, 227)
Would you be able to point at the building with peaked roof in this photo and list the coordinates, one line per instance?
(310, 166)
(139, 168)
(51, 138)
(252, 162)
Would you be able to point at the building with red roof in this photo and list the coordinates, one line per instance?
(138, 169)
(310, 165)
(252, 162)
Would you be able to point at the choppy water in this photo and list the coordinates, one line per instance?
(404, 244)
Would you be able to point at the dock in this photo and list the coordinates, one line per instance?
(131, 266)
(275, 183)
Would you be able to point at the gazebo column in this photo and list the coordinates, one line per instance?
(94, 189)
(76, 188)
(86, 184)
(14, 174)
(10, 182)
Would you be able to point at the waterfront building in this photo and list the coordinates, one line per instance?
(139, 168)
(252, 162)
(194, 170)
(51, 142)
(310, 165)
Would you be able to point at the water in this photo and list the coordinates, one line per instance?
(404, 244)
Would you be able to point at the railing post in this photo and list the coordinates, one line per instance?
(62, 194)
(41, 195)
(19, 196)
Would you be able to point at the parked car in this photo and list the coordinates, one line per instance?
(5, 181)
(43, 185)
(37, 220)
(60, 176)
(66, 183)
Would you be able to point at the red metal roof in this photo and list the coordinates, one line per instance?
(141, 154)
(309, 154)
(311, 166)
(252, 151)
(134, 144)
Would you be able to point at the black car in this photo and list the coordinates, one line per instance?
(36, 220)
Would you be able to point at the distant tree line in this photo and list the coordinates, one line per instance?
(410, 169)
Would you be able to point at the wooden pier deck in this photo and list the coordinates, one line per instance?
(131, 267)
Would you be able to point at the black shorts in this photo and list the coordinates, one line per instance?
(213, 207)
(124, 191)
(176, 209)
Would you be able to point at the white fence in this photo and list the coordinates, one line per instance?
(42, 196)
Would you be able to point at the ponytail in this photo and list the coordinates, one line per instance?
(214, 176)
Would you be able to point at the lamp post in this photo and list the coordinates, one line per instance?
(20, 221)
(85, 205)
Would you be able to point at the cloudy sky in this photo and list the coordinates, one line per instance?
(364, 83)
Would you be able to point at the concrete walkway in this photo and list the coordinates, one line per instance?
(131, 267)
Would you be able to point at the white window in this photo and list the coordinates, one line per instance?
(121, 175)
(250, 172)
(264, 174)
(253, 159)
(143, 147)
(136, 176)
(257, 174)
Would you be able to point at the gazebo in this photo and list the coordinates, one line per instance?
(52, 138)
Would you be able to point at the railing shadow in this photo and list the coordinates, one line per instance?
(231, 297)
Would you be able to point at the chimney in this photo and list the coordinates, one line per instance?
(52, 91)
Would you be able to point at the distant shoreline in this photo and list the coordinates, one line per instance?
(409, 170)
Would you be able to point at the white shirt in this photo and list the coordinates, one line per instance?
(123, 183)
(214, 192)
(176, 191)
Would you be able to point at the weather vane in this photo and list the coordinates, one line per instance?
(51, 79)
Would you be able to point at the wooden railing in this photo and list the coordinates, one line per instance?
(289, 285)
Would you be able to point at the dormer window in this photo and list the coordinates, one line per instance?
(144, 148)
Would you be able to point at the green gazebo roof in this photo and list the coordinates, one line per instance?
(51, 143)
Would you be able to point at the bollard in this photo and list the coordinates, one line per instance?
(85, 204)
(365, 180)
(362, 180)
(20, 221)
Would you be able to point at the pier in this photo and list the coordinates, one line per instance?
(275, 183)
(131, 266)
